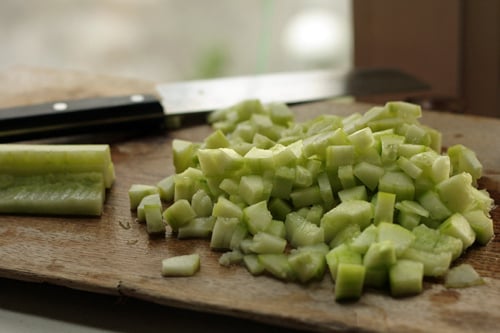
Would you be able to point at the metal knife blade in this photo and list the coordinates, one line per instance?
(146, 111)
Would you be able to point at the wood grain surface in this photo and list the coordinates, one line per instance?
(113, 254)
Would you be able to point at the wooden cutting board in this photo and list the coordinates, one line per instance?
(113, 254)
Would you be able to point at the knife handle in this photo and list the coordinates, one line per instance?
(119, 113)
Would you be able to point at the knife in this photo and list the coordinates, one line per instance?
(194, 98)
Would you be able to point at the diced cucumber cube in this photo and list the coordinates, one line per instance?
(481, 224)
(400, 237)
(183, 265)
(183, 153)
(406, 277)
(425, 238)
(138, 191)
(154, 220)
(446, 243)
(346, 176)
(231, 258)
(253, 265)
(304, 197)
(346, 235)
(398, 183)
(384, 208)
(342, 254)
(325, 190)
(458, 226)
(362, 242)
(152, 199)
(464, 159)
(456, 192)
(431, 201)
(226, 208)
(462, 276)
(339, 155)
(408, 167)
(408, 220)
(219, 161)
(349, 212)
(254, 188)
(199, 227)
(230, 186)
(283, 181)
(263, 242)
(179, 214)
(349, 282)
(380, 254)
(223, 231)
(276, 228)
(257, 217)
(202, 203)
(307, 265)
(166, 188)
(435, 264)
(369, 174)
(277, 265)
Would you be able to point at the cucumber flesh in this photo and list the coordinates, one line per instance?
(52, 194)
(369, 196)
(183, 265)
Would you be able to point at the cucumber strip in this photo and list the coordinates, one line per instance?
(31, 159)
(52, 194)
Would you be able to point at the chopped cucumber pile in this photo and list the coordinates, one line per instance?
(54, 179)
(369, 199)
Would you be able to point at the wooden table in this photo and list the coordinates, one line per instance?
(113, 254)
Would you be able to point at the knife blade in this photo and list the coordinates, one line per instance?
(195, 97)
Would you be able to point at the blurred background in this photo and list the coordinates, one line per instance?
(453, 45)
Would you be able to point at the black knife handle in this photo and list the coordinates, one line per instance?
(68, 117)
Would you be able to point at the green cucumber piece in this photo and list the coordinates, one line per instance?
(223, 231)
(184, 153)
(350, 281)
(400, 237)
(199, 227)
(342, 254)
(166, 188)
(350, 212)
(231, 258)
(406, 278)
(154, 219)
(462, 276)
(152, 199)
(277, 265)
(380, 254)
(253, 265)
(202, 203)
(137, 192)
(307, 265)
(263, 242)
(38, 159)
(384, 208)
(179, 214)
(257, 217)
(457, 226)
(183, 265)
(481, 224)
(435, 264)
(52, 194)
